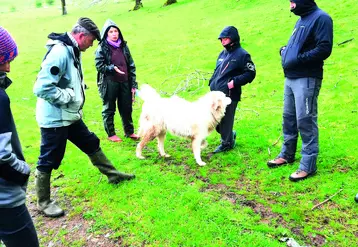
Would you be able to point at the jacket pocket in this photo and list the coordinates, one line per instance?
(290, 56)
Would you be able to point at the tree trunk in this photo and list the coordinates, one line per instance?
(169, 2)
(63, 3)
(138, 4)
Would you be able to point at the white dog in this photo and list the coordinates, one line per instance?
(194, 120)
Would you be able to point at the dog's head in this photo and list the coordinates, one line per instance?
(219, 102)
(147, 93)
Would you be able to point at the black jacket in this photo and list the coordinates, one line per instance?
(103, 60)
(311, 43)
(234, 63)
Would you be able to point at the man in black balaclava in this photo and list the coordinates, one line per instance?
(234, 68)
(302, 61)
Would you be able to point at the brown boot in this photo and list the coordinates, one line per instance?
(277, 162)
(301, 175)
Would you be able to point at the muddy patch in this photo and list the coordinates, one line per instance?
(69, 229)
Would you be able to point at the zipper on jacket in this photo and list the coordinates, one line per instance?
(225, 68)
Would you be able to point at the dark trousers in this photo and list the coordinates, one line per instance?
(53, 144)
(17, 228)
(120, 93)
(226, 125)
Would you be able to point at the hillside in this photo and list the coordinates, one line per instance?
(233, 201)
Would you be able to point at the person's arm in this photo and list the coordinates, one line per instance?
(100, 62)
(52, 69)
(11, 168)
(323, 33)
(131, 70)
(216, 67)
(249, 72)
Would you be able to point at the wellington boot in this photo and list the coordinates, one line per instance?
(44, 203)
(100, 161)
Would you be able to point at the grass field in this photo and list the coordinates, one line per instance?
(235, 200)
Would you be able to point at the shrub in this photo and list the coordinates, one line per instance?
(50, 2)
(38, 3)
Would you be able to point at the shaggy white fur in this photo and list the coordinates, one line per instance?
(194, 120)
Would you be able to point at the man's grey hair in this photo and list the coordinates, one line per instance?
(77, 28)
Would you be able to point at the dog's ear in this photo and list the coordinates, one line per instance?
(217, 103)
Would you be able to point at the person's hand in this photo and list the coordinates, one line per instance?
(230, 85)
(281, 50)
(133, 94)
(118, 70)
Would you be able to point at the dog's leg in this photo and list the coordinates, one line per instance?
(148, 136)
(204, 144)
(161, 138)
(196, 145)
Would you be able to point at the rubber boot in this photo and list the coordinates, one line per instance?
(100, 161)
(356, 198)
(44, 204)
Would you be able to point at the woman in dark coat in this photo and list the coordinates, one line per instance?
(116, 80)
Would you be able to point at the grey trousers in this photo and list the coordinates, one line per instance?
(300, 116)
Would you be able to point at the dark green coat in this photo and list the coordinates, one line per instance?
(103, 60)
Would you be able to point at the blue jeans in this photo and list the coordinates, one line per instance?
(300, 116)
(53, 144)
(17, 228)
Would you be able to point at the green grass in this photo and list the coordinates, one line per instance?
(235, 200)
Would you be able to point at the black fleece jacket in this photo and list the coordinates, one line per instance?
(310, 44)
(234, 63)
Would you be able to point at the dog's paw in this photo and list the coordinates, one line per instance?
(202, 163)
(140, 157)
(166, 156)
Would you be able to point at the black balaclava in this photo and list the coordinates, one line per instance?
(303, 7)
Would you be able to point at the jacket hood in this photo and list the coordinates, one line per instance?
(4, 80)
(107, 25)
(230, 32)
(303, 7)
(62, 37)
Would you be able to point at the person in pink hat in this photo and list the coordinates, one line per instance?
(16, 226)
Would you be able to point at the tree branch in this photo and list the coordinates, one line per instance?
(329, 198)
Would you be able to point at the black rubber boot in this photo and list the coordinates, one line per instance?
(100, 161)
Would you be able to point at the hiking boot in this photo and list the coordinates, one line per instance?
(100, 161)
(44, 204)
(301, 175)
(278, 162)
(222, 148)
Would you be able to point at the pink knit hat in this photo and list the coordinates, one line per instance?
(8, 48)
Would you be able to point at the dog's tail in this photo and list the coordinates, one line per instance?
(147, 93)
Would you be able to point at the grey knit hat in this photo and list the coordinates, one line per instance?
(90, 26)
